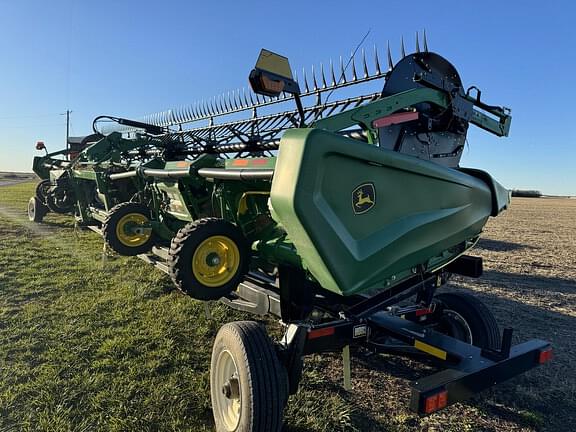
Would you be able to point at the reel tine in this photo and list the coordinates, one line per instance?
(332, 75)
(221, 107)
(390, 62)
(228, 102)
(245, 99)
(354, 76)
(364, 64)
(417, 43)
(307, 89)
(324, 85)
(402, 50)
(239, 98)
(377, 60)
(251, 94)
(425, 42)
(314, 79)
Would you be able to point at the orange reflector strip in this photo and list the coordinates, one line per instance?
(240, 162)
(259, 161)
(318, 333)
(545, 356)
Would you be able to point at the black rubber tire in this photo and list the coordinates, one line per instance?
(110, 224)
(42, 190)
(182, 250)
(56, 205)
(262, 377)
(480, 320)
(36, 210)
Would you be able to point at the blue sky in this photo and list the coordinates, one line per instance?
(130, 58)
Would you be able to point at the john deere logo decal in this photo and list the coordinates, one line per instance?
(363, 198)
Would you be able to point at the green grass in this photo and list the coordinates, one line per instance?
(88, 345)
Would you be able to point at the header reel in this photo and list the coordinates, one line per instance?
(427, 130)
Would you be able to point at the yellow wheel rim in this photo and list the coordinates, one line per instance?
(215, 261)
(131, 230)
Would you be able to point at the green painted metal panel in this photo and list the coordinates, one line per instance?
(421, 214)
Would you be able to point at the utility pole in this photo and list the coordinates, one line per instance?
(67, 127)
(67, 114)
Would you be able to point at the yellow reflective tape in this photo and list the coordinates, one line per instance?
(436, 352)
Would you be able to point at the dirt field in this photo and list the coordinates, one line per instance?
(8, 178)
(87, 346)
(529, 282)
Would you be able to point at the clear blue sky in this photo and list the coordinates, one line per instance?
(130, 58)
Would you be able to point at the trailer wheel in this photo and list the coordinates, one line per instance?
(59, 201)
(248, 384)
(42, 190)
(127, 230)
(208, 258)
(36, 210)
(466, 318)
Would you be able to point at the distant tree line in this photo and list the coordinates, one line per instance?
(526, 193)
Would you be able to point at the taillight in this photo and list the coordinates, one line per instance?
(545, 355)
(436, 402)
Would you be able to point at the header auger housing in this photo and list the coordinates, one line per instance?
(329, 215)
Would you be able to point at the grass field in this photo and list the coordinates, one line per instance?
(87, 344)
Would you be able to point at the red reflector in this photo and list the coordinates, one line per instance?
(431, 404)
(436, 402)
(259, 161)
(421, 312)
(395, 119)
(240, 162)
(545, 356)
(442, 399)
(318, 333)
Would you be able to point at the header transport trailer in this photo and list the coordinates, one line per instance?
(341, 217)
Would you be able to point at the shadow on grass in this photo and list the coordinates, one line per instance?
(499, 245)
(530, 282)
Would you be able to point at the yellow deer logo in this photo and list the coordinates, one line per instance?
(363, 198)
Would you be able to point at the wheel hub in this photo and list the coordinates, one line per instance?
(215, 261)
(231, 388)
(132, 230)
